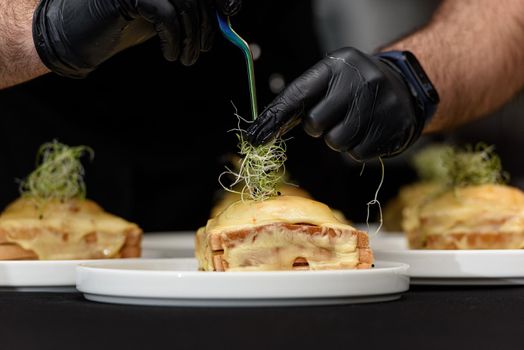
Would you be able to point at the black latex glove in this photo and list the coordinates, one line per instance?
(73, 37)
(359, 103)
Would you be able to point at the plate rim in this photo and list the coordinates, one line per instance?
(464, 273)
(248, 288)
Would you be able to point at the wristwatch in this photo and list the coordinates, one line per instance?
(407, 65)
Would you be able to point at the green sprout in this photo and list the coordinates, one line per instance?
(260, 171)
(474, 166)
(59, 174)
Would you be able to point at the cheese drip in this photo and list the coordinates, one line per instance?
(74, 229)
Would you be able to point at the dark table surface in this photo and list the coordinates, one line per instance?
(425, 318)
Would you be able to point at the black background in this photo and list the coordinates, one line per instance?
(425, 318)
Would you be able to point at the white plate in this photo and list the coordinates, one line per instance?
(176, 282)
(452, 267)
(39, 276)
(60, 275)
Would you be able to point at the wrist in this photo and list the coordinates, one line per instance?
(28, 44)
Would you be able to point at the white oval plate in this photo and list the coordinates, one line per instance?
(60, 275)
(176, 282)
(452, 267)
(39, 276)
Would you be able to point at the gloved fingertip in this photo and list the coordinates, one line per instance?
(311, 131)
(170, 57)
(229, 7)
(170, 54)
(251, 136)
(207, 43)
(362, 156)
(255, 141)
(189, 59)
(256, 135)
(169, 48)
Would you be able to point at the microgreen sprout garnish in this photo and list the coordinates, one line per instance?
(261, 169)
(474, 166)
(59, 174)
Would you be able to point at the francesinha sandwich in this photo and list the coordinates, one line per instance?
(280, 233)
(476, 210)
(488, 216)
(52, 220)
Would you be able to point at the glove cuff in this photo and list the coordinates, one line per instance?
(51, 43)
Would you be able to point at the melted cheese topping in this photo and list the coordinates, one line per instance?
(232, 197)
(283, 209)
(474, 209)
(75, 229)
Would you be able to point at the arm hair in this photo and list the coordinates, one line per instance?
(473, 52)
(19, 61)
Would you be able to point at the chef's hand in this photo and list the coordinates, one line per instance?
(73, 37)
(357, 102)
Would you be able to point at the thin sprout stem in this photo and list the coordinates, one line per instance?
(375, 200)
(362, 169)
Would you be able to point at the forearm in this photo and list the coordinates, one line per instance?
(19, 60)
(472, 51)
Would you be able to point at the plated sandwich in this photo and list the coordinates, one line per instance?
(52, 220)
(266, 230)
(63, 230)
(475, 211)
(489, 216)
(280, 233)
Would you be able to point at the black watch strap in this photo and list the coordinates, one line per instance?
(425, 94)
